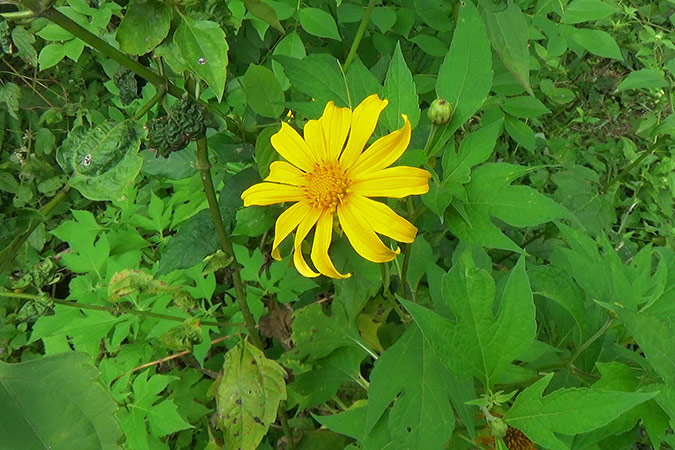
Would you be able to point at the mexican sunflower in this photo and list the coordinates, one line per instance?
(328, 172)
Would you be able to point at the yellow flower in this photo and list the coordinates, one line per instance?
(325, 176)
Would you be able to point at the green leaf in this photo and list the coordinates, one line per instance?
(421, 416)
(399, 89)
(318, 75)
(203, 46)
(10, 95)
(24, 40)
(383, 17)
(319, 23)
(102, 161)
(349, 422)
(508, 32)
(430, 44)
(578, 189)
(264, 12)
(195, 240)
(477, 343)
(361, 81)
(567, 411)
(265, 154)
(51, 55)
(465, 77)
(290, 45)
(555, 284)
(253, 221)
(490, 194)
(597, 42)
(659, 348)
(524, 106)
(56, 402)
(317, 335)
(521, 133)
(248, 396)
(263, 91)
(474, 149)
(144, 26)
(327, 374)
(148, 409)
(580, 11)
(641, 79)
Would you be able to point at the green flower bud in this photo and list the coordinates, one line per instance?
(440, 111)
(498, 428)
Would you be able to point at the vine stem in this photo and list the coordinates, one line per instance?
(359, 35)
(204, 167)
(58, 301)
(54, 15)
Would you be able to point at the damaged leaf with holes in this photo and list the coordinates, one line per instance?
(248, 396)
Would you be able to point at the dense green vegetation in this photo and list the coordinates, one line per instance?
(141, 305)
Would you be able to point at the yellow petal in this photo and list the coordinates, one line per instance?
(271, 193)
(383, 152)
(383, 219)
(283, 172)
(290, 145)
(287, 222)
(364, 120)
(303, 229)
(361, 235)
(322, 238)
(314, 138)
(326, 137)
(394, 182)
(335, 123)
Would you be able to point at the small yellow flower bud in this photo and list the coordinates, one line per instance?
(440, 111)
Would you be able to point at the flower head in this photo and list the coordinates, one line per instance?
(328, 172)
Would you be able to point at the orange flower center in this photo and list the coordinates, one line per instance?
(326, 185)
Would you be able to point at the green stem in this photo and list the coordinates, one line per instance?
(430, 138)
(135, 312)
(590, 340)
(281, 413)
(159, 95)
(359, 35)
(99, 44)
(204, 168)
(17, 15)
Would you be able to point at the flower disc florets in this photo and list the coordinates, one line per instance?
(326, 185)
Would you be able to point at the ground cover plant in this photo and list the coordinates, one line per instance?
(405, 224)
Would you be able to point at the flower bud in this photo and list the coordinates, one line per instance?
(440, 111)
(498, 428)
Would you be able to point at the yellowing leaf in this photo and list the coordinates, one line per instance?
(248, 396)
